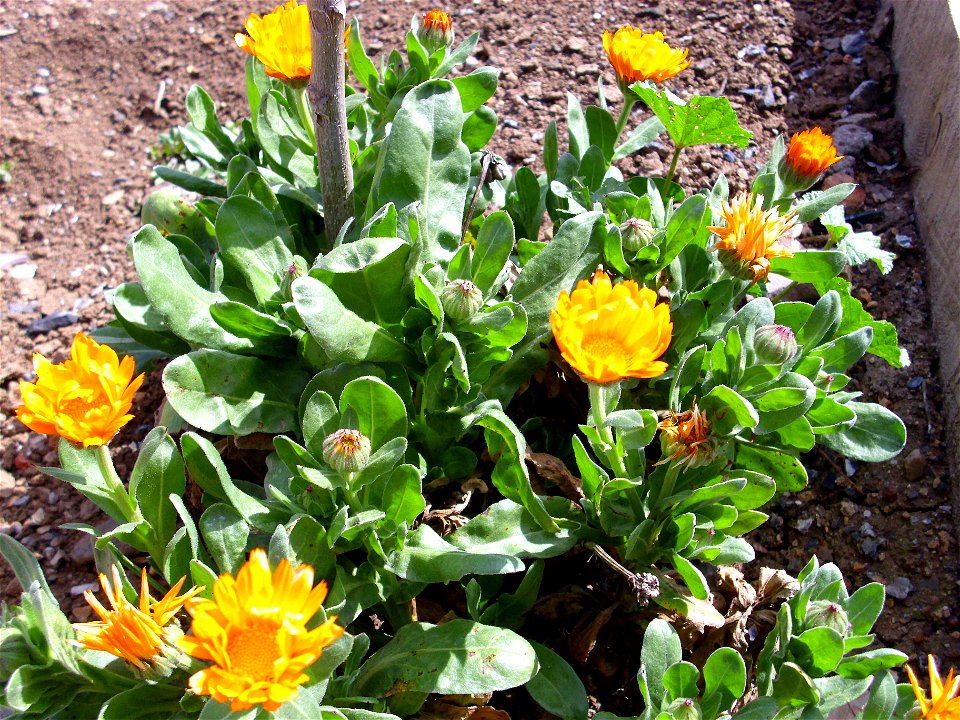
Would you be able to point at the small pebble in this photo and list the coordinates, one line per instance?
(915, 382)
(900, 588)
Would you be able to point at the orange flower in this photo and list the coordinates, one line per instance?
(685, 438)
(944, 703)
(436, 30)
(141, 635)
(85, 399)
(609, 332)
(810, 153)
(255, 633)
(638, 56)
(281, 41)
(752, 235)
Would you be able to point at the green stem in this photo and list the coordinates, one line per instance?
(673, 169)
(599, 411)
(628, 102)
(304, 113)
(665, 488)
(115, 485)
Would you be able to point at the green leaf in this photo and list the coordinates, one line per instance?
(401, 497)
(232, 394)
(785, 469)
(885, 343)
(426, 557)
(380, 410)
(478, 127)
(789, 400)
(793, 688)
(642, 135)
(859, 247)
(841, 353)
(463, 51)
(225, 533)
(692, 577)
(883, 697)
(813, 204)
(457, 657)
(173, 293)
(680, 681)
(578, 135)
(877, 435)
(424, 160)
(821, 322)
(157, 474)
(477, 87)
(729, 411)
(703, 120)
(343, 335)
(368, 277)
(810, 266)
(201, 186)
(725, 679)
(601, 130)
(556, 687)
(687, 226)
(660, 650)
(870, 663)
(494, 245)
(245, 322)
(25, 566)
(818, 651)
(506, 528)
(864, 607)
(836, 691)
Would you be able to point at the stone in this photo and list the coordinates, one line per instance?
(851, 139)
(899, 588)
(866, 95)
(853, 43)
(915, 465)
(576, 45)
(7, 484)
(52, 321)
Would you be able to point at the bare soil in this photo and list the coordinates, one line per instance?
(88, 86)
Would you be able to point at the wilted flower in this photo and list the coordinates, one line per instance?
(775, 344)
(944, 703)
(346, 450)
(142, 635)
(751, 236)
(636, 233)
(810, 153)
(609, 332)
(255, 633)
(281, 41)
(436, 30)
(685, 438)
(461, 299)
(637, 56)
(85, 399)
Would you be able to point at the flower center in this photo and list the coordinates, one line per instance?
(253, 650)
(78, 407)
(605, 348)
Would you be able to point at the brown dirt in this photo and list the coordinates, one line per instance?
(81, 82)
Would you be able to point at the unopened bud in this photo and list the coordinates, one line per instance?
(346, 450)
(823, 613)
(636, 233)
(436, 31)
(298, 268)
(461, 299)
(685, 709)
(775, 344)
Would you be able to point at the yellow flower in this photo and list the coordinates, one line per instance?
(609, 332)
(85, 399)
(637, 56)
(944, 703)
(752, 235)
(281, 41)
(810, 153)
(141, 635)
(255, 633)
(685, 438)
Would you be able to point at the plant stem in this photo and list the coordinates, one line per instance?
(644, 586)
(304, 113)
(115, 485)
(599, 411)
(328, 98)
(673, 169)
(628, 103)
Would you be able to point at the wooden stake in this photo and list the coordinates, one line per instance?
(327, 97)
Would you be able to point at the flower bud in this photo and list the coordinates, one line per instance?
(775, 344)
(685, 709)
(436, 31)
(346, 450)
(823, 613)
(298, 268)
(636, 233)
(461, 299)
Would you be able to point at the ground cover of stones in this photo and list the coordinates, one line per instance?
(88, 86)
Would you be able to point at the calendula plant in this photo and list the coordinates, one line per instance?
(377, 375)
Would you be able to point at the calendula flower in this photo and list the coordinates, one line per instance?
(944, 703)
(436, 30)
(255, 633)
(143, 634)
(346, 450)
(685, 438)
(85, 399)
(810, 153)
(609, 332)
(751, 236)
(637, 56)
(281, 41)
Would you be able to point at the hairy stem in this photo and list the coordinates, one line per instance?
(673, 169)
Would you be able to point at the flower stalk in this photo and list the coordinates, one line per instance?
(598, 409)
(327, 94)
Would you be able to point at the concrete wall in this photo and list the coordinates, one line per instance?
(926, 50)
